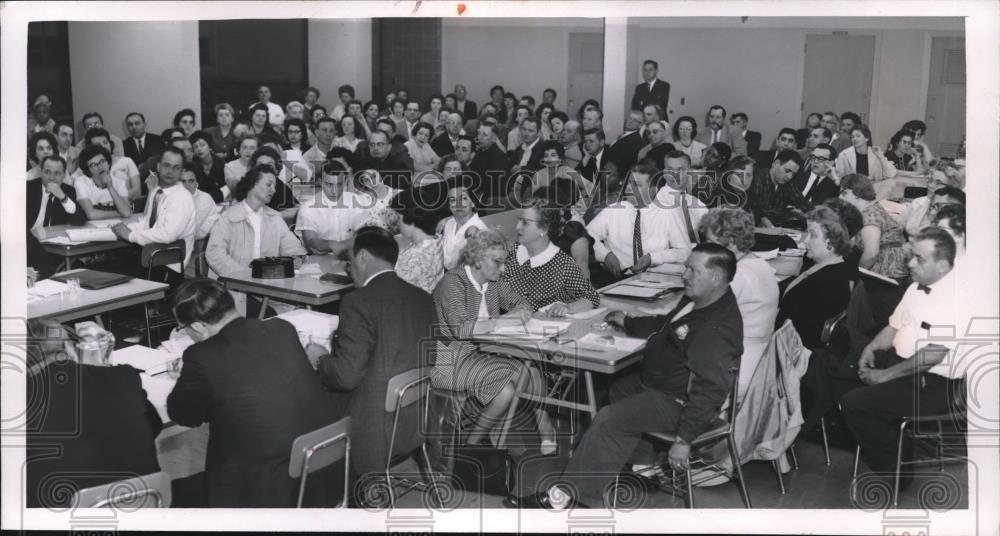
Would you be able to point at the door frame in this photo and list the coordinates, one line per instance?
(873, 90)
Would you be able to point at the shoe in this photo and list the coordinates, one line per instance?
(539, 500)
(549, 447)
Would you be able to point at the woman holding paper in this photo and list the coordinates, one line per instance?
(471, 299)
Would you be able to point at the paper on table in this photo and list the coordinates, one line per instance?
(543, 328)
(143, 358)
(60, 240)
(101, 234)
(591, 313)
(661, 285)
(104, 223)
(312, 325)
(46, 288)
(311, 268)
(157, 390)
(633, 291)
(625, 344)
(176, 344)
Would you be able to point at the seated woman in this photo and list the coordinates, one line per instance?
(553, 156)
(462, 223)
(347, 133)
(903, 155)
(235, 169)
(249, 229)
(853, 221)
(863, 159)
(208, 167)
(883, 246)
(40, 145)
(472, 296)
(98, 194)
(379, 195)
(123, 169)
(433, 116)
(685, 131)
(573, 238)
(823, 290)
(96, 417)
(917, 213)
(283, 200)
(419, 147)
(223, 135)
(185, 120)
(538, 270)
(422, 263)
(755, 285)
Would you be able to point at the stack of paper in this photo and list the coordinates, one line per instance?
(176, 344)
(143, 358)
(610, 342)
(311, 268)
(533, 329)
(635, 291)
(110, 222)
(60, 240)
(100, 234)
(45, 288)
(312, 326)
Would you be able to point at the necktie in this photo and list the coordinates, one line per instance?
(153, 210)
(49, 209)
(715, 136)
(924, 288)
(138, 143)
(637, 238)
(687, 219)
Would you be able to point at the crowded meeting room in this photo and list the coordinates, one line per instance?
(539, 263)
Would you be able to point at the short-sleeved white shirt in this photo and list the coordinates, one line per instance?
(100, 197)
(332, 220)
(938, 317)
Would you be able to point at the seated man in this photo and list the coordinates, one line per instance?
(686, 374)
(774, 198)
(819, 181)
(251, 382)
(97, 425)
(206, 213)
(50, 202)
(328, 222)
(395, 171)
(685, 209)
(384, 325)
(636, 233)
(490, 166)
(170, 212)
(911, 365)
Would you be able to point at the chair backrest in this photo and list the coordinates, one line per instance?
(157, 254)
(328, 445)
(198, 257)
(147, 491)
(400, 391)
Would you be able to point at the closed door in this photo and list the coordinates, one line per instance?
(586, 69)
(946, 96)
(838, 74)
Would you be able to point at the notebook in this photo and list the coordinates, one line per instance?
(92, 279)
(637, 292)
(96, 234)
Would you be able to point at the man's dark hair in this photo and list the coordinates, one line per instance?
(653, 63)
(952, 192)
(61, 160)
(376, 241)
(955, 214)
(719, 258)
(552, 91)
(834, 114)
(88, 115)
(130, 114)
(326, 119)
(740, 115)
(97, 133)
(174, 150)
(384, 121)
(201, 300)
(789, 154)
(599, 132)
(826, 132)
(718, 107)
(468, 138)
(532, 119)
(852, 116)
(346, 88)
(269, 137)
(168, 133)
(497, 88)
(786, 130)
(944, 244)
(675, 154)
(318, 107)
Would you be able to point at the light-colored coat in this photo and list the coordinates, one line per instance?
(230, 246)
(879, 167)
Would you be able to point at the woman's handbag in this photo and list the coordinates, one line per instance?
(483, 469)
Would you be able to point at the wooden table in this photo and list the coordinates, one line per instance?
(572, 356)
(305, 289)
(65, 307)
(71, 251)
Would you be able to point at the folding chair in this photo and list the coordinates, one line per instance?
(725, 431)
(318, 449)
(131, 493)
(155, 256)
(910, 425)
(401, 392)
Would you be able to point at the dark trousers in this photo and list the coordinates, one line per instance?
(873, 413)
(615, 437)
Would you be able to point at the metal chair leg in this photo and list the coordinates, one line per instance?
(738, 471)
(777, 471)
(794, 457)
(149, 331)
(690, 493)
(826, 445)
(857, 460)
(899, 464)
(431, 475)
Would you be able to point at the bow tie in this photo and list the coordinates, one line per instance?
(924, 288)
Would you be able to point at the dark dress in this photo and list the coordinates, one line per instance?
(820, 296)
(87, 426)
(861, 168)
(213, 181)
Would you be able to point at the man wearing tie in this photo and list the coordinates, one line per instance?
(593, 147)
(638, 233)
(652, 90)
(685, 209)
(718, 130)
(819, 182)
(140, 146)
(50, 202)
(170, 211)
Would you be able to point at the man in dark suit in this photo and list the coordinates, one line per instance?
(384, 326)
(594, 154)
(818, 180)
(652, 90)
(49, 201)
(140, 146)
(465, 107)
(527, 156)
(445, 143)
(625, 151)
(252, 382)
(490, 166)
(786, 140)
(743, 141)
(396, 171)
(92, 424)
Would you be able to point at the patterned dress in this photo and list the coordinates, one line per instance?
(381, 214)
(422, 264)
(458, 366)
(892, 257)
(552, 277)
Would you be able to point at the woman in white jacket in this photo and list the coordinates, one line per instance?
(864, 159)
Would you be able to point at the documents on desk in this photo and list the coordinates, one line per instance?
(532, 329)
(103, 224)
(46, 288)
(311, 325)
(157, 390)
(310, 268)
(602, 342)
(99, 234)
(150, 361)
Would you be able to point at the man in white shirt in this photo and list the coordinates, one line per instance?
(919, 347)
(328, 222)
(275, 114)
(170, 210)
(325, 131)
(636, 234)
(685, 209)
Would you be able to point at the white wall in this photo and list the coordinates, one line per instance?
(340, 52)
(757, 66)
(120, 67)
(524, 56)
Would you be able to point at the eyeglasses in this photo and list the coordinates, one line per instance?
(821, 158)
(102, 162)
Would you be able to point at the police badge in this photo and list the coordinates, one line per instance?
(681, 331)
